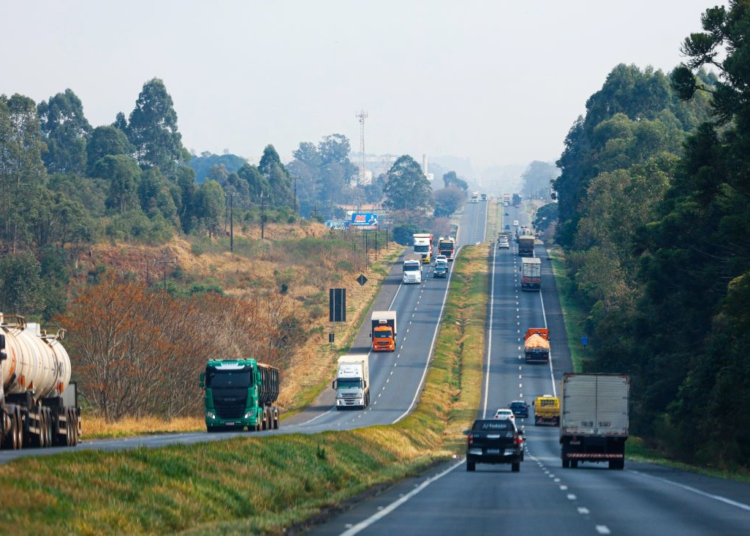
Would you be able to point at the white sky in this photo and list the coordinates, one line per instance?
(497, 81)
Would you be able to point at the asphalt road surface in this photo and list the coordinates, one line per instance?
(543, 498)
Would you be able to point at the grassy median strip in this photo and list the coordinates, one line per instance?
(261, 485)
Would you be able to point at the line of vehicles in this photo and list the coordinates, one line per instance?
(424, 253)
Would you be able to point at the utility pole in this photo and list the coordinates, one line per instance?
(164, 261)
(262, 216)
(231, 223)
(296, 210)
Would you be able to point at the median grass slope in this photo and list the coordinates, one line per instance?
(260, 485)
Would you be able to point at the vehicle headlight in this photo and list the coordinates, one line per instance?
(248, 415)
(210, 415)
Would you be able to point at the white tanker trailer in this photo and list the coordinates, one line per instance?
(37, 401)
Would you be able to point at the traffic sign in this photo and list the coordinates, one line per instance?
(361, 279)
(585, 340)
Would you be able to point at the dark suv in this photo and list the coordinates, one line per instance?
(494, 441)
(519, 408)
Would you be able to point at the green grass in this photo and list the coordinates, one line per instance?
(573, 313)
(260, 485)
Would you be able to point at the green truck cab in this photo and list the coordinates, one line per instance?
(240, 394)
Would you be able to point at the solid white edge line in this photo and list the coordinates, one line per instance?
(489, 334)
(551, 368)
(362, 525)
(730, 502)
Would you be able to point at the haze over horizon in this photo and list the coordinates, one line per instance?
(497, 83)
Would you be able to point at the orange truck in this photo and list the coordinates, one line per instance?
(383, 331)
(536, 345)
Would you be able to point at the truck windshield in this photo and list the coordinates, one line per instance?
(218, 379)
(382, 332)
(349, 383)
(421, 249)
(411, 267)
(446, 245)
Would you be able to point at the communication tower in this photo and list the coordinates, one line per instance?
(362, 115)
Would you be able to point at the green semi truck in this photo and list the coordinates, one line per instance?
(240, 394)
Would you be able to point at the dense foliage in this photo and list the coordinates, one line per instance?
(654, 207)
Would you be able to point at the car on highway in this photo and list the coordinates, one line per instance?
(441, 269)
(519, 408)
(515, 223)
(503, 243)
(441, 258)
(494, 441)
(505, 413)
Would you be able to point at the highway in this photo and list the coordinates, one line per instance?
(395, 378)
(543, 498)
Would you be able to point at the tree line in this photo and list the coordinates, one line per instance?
(66, 185)
(654, 213)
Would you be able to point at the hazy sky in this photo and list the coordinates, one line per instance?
(500, 82)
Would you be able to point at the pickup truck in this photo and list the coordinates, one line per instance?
(494, 441)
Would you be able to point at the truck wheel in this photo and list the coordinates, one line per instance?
(566, 463)
(574, 464)
(515, 467)
(19, 430)
(617, 464)
(48, 429)
(471, 465)
(74, 427)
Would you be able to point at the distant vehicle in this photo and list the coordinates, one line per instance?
(503, 413)
(507, 214)
(475, 197)
(441, 258)
(484, 197)
(352, 383)
(507, 226)
(503, 241)
(412, 268)
(536, 345)
(547, 410)
(494, 441)
(526, 245)
(519, 408)
(531, 273)
(423, 246)
(383, 331)
(447, 246)
(515, 223)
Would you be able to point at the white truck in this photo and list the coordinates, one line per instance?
(412, 268)
(594, 419)
(423, 246)
(352, 383)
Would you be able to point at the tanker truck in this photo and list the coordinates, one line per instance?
(240, 394)
(37, 400)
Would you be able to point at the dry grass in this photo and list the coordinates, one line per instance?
(258, 485)
(97, 428)
(312, 364)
